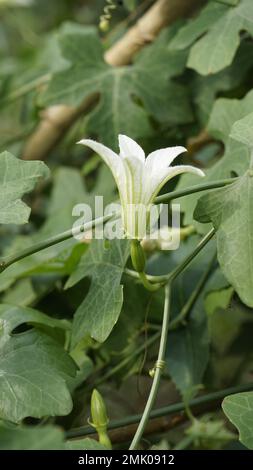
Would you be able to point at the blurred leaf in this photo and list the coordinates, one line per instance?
(209, 433)
(206, 89)
(239, 409)
(226, 321)
(13, 316)
(23, 293)
(188, 346)
(236, 157)
(16, 3)
(16, 179)
(231, 212)
(187, 352)
(17, 122)
(61, 258)
(196, 27)
(100, 309)
(31, 438)
(242, 130)
(161, 445)
(130, 4)
(42, 438)
(225, 113)
(84, 444)
(121, 89)
(85, 365)
(34, 367)
(219, 38)
(219, 299)
(125, 335)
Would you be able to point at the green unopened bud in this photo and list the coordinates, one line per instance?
(138, 256)
(99, 418)
(98, 410)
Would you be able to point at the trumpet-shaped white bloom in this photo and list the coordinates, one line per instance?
(139, 179)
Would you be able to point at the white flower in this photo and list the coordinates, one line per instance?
(139, 179)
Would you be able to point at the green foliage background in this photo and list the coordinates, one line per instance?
(71, 319)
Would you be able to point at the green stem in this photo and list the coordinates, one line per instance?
(153, 279)
(193, 297)
(164, 411)
(172, 325)
(163, 341)
(148, 285)
(5, 263)
(181, 267)
(127, 359)
(23, 90)
(158, 371)
(163, 279)
(8, 261)
(104, 439)
(193, 189)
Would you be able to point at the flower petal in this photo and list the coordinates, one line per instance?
(135, 179)
(131, 196)
(130, 148)
(160, 177)
(110, 158)
(178, 169)
(163, 157)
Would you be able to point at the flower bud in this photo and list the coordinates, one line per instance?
(99, 418)
(138, 256)
(98, 410)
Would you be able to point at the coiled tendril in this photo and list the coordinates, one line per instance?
(107, 13)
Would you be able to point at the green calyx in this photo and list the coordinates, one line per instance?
(139, 262)
(138, 256)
